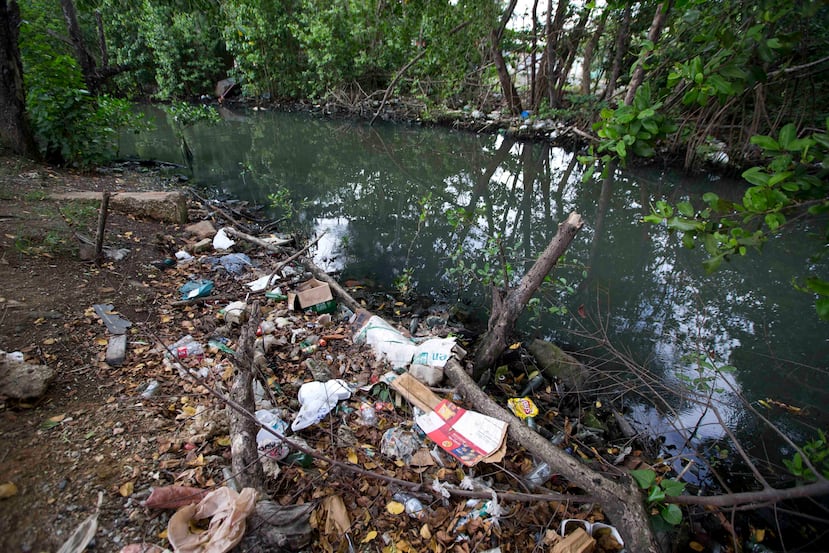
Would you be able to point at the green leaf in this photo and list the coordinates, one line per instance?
(672, 487)
(775, 220)
(787, 135)
(684, 225)
(756, 176)
(645, 478)
(822, 307)
(685, 208)
(656, 495)
(818, 286)
(713, 263)
(765, 142)
(671, 514)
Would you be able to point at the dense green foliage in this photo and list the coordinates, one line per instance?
(70, 123)
(721, 78)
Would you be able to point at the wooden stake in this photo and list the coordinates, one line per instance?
(102, 222)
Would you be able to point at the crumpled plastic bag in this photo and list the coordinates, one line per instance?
(227, 511)
(221, 241)
(317, 399)
(235, 263)
(400, 443)
(266, 443)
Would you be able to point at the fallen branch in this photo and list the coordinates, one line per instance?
(621, 500)
(244, 453)
(230, 231)
(506, 310)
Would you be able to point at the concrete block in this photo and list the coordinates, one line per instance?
(116, 350)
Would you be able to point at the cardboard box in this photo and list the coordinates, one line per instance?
(309, 293)
(468, 436)
(575, 542)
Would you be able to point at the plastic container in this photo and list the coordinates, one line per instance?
(186, 347)
(535, 382)
(414, 508)
(368, 415)
(150, 390)
(539, 475)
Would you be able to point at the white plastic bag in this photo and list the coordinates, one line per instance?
(317, 399)
(221, 241)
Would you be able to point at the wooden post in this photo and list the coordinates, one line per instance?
(102, 222)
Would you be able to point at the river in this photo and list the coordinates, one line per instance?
(392, 197)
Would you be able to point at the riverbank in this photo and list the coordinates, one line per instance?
(98, 428)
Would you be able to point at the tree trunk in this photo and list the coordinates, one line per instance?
(655, 31)
(574, 39)
(506, 313)
(589, 50)
(533, 52)
(620, 51)
(15, 132)
(85, 60)
(511, 98)
(513, 101)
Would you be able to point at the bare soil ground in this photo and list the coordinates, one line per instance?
(86, 434)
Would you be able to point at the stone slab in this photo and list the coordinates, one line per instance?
(170, 207)
(201, 230)
(21, 380)
(116, 350)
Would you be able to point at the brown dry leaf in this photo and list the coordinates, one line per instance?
(197, 462)
(337, 515)
(352, 456)
(173, 497)
(126, 489)
(57, 418)
(8, 489)
(425, 532)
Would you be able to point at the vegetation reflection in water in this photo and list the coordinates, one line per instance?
(447, 205)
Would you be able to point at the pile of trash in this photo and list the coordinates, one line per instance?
(361, 446)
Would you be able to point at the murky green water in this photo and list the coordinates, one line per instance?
(388, 199)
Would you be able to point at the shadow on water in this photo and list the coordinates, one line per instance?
(398, 197)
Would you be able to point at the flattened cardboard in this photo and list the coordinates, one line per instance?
(468, 436)
(575, 542)
(309, 293)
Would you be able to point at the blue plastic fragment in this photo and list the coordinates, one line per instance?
(196, 289)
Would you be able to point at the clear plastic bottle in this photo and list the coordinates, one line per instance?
(368, 415)
(539, 475)
(187, 346)
(414, 508)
